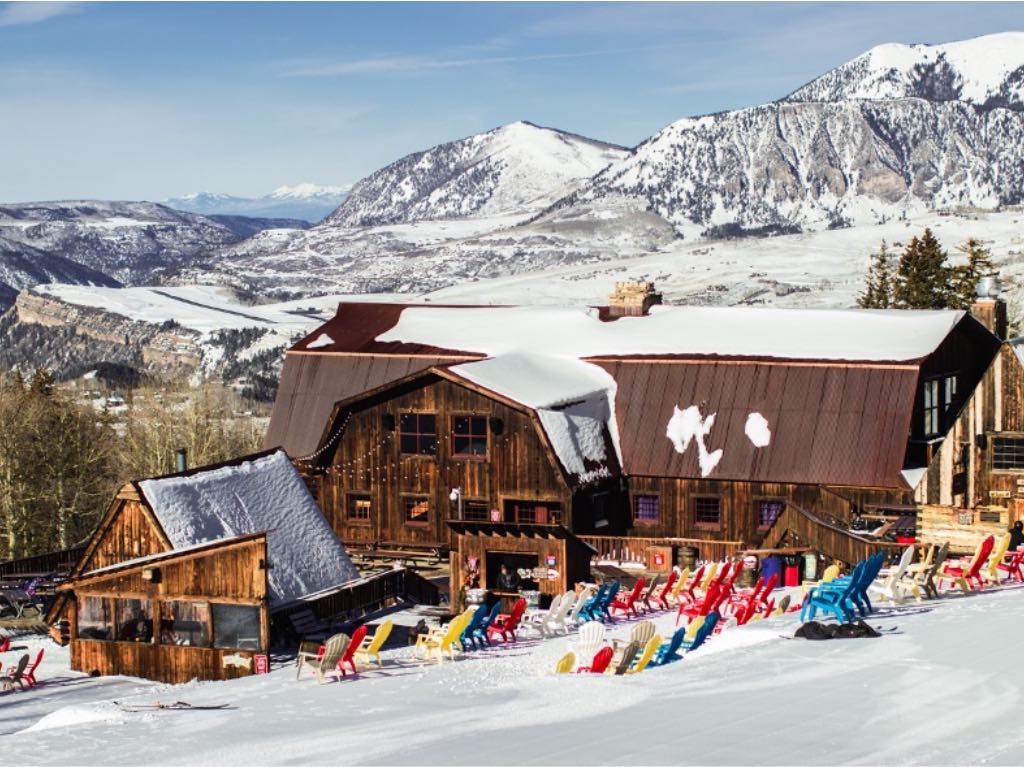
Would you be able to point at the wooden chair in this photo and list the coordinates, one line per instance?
(324, 660)
(371, 646)
(922, 575)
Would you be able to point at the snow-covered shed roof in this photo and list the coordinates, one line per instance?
(254, 494)
(574, 401)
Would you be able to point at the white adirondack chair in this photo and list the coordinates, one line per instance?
(892, 588)
(556, 623)
(574, 616)
(540, 621)
(590, 640)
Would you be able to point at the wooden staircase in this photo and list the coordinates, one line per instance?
(798, 527)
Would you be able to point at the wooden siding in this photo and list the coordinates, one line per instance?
(963, 529)
(128, 532)
(226, 573)
(368, 460)
(798, 527)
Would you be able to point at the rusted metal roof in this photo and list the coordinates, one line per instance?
(830, 423)
(311, 384)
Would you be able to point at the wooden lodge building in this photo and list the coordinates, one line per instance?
(634, 425)
(181, 577)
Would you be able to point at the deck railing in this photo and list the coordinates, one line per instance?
(634, 549)
(367, 595)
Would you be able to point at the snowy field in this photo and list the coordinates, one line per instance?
(941, 686)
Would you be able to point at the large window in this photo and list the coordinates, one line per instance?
(185, 623)
(932, 407)
(707, 512)
(134, 620)
(645, 509)
(1008, 453)
(476, 511)
(94, 618)
(417, 510)
(469, 436)
(358, 508)
(766, 511)
(533, 512)
(418, 433)
(236, 627)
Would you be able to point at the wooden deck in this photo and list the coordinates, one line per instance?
(634, 549)
(798, 527)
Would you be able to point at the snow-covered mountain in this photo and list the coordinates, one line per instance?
(513, 169)
(306, 202)
(96, 242)
(985, 71)
(898, 130)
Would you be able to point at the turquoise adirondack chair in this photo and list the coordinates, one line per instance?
(468, 637)
(479, 635)
(834, 598)
(594, 604)
(606, 603)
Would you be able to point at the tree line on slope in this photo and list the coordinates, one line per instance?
(922, 278)
(62, 460)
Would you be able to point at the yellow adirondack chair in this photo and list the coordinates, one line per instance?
(709, 576)
(370, 648)
(566, 663)
(830, 574)
(645, 658)
(991, 572)
(692, 626)
(443, 640)
(681, 581)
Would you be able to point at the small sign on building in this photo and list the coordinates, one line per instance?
(262, 663)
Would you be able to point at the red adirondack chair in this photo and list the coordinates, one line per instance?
(5, 644)
(627, 604)
(661, 597)
(349, 655)
(717, 594)
(30, 673)
(505, 625)
(600, 662)
(966, 572)
(1011, 565)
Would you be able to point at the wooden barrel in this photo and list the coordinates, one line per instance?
(687, 557)
(748, 575)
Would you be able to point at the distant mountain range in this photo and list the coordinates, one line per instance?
(307, 202)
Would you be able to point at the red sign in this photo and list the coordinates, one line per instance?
(659, 559)
(262, 663)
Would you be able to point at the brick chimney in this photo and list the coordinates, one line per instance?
(988, 308)
(632, 299)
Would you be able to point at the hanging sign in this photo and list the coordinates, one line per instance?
(551, 560)
(552, 574)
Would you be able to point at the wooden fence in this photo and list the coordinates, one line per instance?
(43, 564)
(366, 595)
(635, 549)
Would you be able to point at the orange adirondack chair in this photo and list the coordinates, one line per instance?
(627, 604)
(965, 573)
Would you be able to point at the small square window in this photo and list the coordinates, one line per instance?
(767, 511)
(707, 512)
(418, 433)
(359, 508)
(1008, 453)
(469, 436)
(645, 509)
(417, 511)
(476, 511)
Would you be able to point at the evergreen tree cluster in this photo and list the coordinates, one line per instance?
(921, 277)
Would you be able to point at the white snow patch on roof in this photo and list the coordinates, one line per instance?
(574, 400)
(689, 425)
(757, 430)
(262, 494)
(819, 334)
(321, 340)
(913, 476)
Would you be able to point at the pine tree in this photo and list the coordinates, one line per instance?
(923, 277)
(878, 290)
(965, 277)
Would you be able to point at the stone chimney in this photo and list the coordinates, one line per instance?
(988, 308)
(632, 299)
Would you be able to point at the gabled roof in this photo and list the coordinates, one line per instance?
(250, 495)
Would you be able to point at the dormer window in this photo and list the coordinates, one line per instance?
(932, 406)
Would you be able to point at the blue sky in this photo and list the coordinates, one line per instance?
(150, 100)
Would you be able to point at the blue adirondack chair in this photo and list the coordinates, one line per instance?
(706, 629)
(594, 603)
(857, 595)
(835, 599)
(669, 651)
(479, 636)
(467, 638)
(606, 603)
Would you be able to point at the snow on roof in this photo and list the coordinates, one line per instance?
(264, 493)
(574, 400)
(812, 334)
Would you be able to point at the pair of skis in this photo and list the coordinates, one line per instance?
(178, 705)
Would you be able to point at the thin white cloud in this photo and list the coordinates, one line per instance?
(412, 64)
(17, 14)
